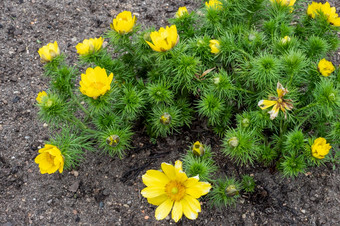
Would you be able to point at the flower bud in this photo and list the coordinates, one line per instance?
(113, 140)
(285, 40)
(233, 142)
(245, 122)
(216, 80)
(198, 149)
(331, 97)
(251, 37)
(231, 190)
(165, 118)
(49, 103)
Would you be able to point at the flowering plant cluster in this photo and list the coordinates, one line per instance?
(257, 71)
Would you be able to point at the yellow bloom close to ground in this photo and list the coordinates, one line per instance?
(214, 46)
(48, 52)
(95, 82)
(164, 39)
(285, 40)
(320, 148)
(198, 148)
(213, 4)
(325, 67)
(123, 23)
(172, 189)
(181, 12)
(40, 96)
(285, 2)
(330, 12)
(89, 46)
(50, 159)
(278, 102)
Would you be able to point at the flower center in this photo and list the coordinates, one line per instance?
(175, 190)
(50, 159)
(98, 85)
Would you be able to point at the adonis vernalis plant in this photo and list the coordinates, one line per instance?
(259, 74)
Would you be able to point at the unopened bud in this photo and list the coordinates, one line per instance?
(245, 122)
(331, 97)
(165, 118)
(251, 37)
(198, 149)
(233, 142)
(216, 80)
(48, 103)
(113, 140)
(231, 190)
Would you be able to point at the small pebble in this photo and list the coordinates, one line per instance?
(146, 217)
(243, 216)
(167, 218)
(27, 137)
(303, 211)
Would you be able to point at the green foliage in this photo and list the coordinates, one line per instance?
(248, 183)
(203, 166)
(224, 192)
(260, 44)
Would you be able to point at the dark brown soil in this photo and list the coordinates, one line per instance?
(106, 190)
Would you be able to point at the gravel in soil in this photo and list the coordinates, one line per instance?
(107, 190)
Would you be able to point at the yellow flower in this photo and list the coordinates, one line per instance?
(50, 159)
(181, 12)
(213, 4)
(214, 46)
(320, 148)
(278, 102)
(48, 52)
(285, 39)
(95, 82)
(40, 96)
(325, 67)
(330, 12)
(123, 23)
(172, 189)
(285, 2)
(164, 39)
(89, 46)
(198, 148)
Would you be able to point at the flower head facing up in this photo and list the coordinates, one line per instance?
(181, 12)
(330, 12)
(50, 159)
(89, 46)
(214, 46)
(48, 52)
(41, 95)
(95, 82)
(278, 102)
(123, 23)
(320, 148)
(213, 4)
(198, 149)
(164, 39)
(165, 118)
(325, 67)
(172, 189)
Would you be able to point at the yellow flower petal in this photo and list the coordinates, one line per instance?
(152, 192)
(263, 104)
(169, 170)
(188, 212)
(274, 112)
(164, 39)
(177, 211)
(158, 200)
(193, 203)
(199, 189)
(164, 209)
(155, 178)
(192, 181)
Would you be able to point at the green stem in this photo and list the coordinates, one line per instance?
(80, 105)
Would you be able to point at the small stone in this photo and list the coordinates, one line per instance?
(167, 218)
(16, 92)
(27, 137)
(74, 39)
(128, 202)
(45, 125)
(252, 214)
(243, 216)
(303, 211)
(74, 187)
(146, 217)
(49, 202)
(126, 205)
(74, 212)
(75, 173)
(106, 192)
